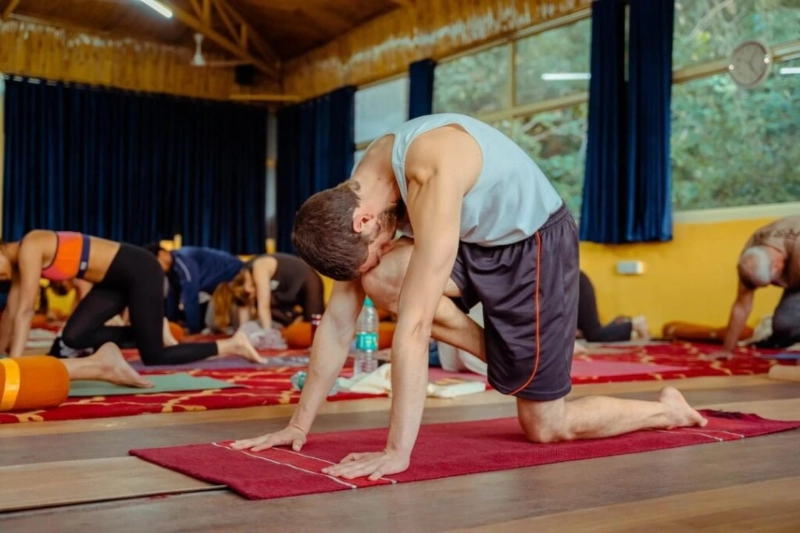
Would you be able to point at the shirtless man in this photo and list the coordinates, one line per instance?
(771, 256)
(487, 227)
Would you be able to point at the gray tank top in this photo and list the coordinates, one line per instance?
(511, 198)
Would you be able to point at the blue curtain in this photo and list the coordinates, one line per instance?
(604, 185)
(627, 187)
(316, 140)
(420, 92)
(133, 167)
(649, 90)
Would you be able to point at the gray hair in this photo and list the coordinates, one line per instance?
(755, 266)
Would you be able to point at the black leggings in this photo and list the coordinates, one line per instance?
(134, 280)
(311, 297)
(589, 320)
(785, 322)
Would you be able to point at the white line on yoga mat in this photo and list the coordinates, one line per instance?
(332, 478)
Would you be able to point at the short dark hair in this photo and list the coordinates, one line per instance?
(154, 248)
(323, 233)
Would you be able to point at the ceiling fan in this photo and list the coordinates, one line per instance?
(199, 59)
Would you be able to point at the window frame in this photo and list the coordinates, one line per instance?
(685, 74)
(715, 67)
(359, 146)
(514, 110)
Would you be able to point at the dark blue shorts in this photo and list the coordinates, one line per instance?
(529, 292)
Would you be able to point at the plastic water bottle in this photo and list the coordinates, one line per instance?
(366, 340)
(298, 381)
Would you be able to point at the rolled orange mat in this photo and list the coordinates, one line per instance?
(177, 331)
(32, 382)
(298, 335)
(687, 331)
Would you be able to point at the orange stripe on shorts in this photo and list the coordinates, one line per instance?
(536, 297)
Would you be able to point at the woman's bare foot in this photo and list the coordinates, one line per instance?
(679, 412)
(169, 340)
(639, 325)
(106, 364)
(239, 345)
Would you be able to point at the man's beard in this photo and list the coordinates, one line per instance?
(387, 220)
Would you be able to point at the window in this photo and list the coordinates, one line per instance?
(732, 146)
(553, 63)
(474, 84)
(711, 29)
(541, 105)
(379, 109)
(556, 141)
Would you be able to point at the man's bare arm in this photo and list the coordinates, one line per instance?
(441, 167)
(328, 355)
(330, 349)
(738, 318)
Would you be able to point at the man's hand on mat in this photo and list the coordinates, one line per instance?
(288, 436)
(375, 465)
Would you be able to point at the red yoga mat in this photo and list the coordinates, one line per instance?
(443, 450)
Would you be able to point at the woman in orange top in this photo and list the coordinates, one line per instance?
(123, 276)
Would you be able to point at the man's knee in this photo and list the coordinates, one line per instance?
(382, 288)
(382, 284)
(544, 422)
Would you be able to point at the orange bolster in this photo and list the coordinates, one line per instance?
(32, 382)
(687, 331)
(177, 331)
(298, 335)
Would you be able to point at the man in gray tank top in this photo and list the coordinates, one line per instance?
(480, 223)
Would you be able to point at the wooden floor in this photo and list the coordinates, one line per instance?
(77, 476)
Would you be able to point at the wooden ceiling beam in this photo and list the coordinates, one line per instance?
(12, 5)
(206, 13)
(199, 25)
(198, 10)
(265, 97)
(252, 36)
(66, 25)
(226, 20)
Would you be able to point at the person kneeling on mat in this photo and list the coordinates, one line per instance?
(620, 329)
(193, 272)
(771, 256)
(268, 288)
(482, 223)
(123, 276)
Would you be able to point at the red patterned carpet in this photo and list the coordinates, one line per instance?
(689, 356)
(263, 387)
(272, 386)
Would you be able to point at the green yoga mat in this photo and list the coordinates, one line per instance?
(162, 383)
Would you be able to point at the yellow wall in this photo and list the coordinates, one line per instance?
(692, 278)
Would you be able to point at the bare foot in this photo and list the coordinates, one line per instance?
(639, 324)
(679, 412)
(579, 349)
(240, 345)
(169, 340)
(109, 365)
